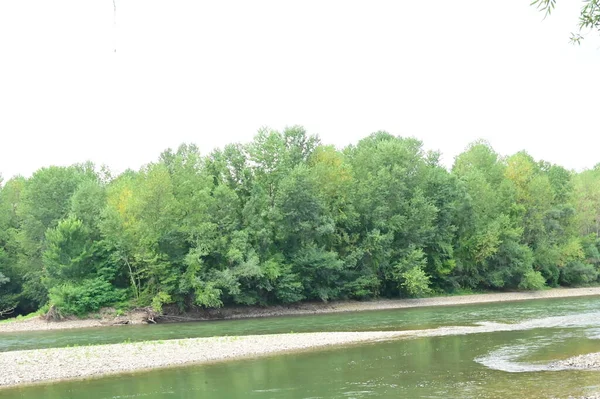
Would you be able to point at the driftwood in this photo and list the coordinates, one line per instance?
(53, 314)
(181, 318)
(150, 314)
(7, 311)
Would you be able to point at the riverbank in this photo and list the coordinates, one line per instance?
(46, 365)
(299, 309)
(43, 365)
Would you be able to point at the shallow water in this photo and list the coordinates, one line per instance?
(510, 363)
(435, 367)
(386, 320)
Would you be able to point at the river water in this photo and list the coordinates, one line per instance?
(506, 358)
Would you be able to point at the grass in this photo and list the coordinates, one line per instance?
(23, 317)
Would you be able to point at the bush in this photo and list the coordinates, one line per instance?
(416, 282)
(208, 295)
(577, 273)
(363, 287)
(89, 296)
(532, 280)
(159, 300)
(288, 289)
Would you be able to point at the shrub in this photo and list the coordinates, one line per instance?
(160, 299)
(576, 273)
(363, 287)
(88, 296)
(532, 280)
(416, 282)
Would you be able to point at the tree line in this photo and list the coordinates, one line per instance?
(286, 218)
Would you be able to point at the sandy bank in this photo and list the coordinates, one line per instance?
(32, 366)
(313, 308)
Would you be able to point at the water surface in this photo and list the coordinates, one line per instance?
(512, 363)
(435, 367)
(386, 320)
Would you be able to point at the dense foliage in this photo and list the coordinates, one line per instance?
(286, 219)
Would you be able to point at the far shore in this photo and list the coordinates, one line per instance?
(39, 324)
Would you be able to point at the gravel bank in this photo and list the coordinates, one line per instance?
(39, 324)
(25, 367)
(314, 308)
(591, 361)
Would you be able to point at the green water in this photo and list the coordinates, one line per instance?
(399, 319)
(494, 364)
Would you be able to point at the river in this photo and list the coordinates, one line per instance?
(490, 364)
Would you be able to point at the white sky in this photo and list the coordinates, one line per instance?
(212, 73)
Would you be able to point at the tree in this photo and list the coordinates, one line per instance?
(45, 200)
(587, 200)
(285, 219)
(589, 17)
(68, 254)
(490, 251)
(397, 215)
(12, 286)
(5, 309)
(139, 218)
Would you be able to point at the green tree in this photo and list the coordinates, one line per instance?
(12, 282)
(490, 250)
(396, 215)
(45, 200)
(285, 219)
(589, 17)
(140, 216)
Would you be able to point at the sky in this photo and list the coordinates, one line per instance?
(214, 72)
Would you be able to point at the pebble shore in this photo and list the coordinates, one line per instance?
(26, 367)
(42, 365)
(591, 361)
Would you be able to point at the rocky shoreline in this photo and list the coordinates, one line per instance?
(137, 317)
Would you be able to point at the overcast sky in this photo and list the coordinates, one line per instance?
(212, 73)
